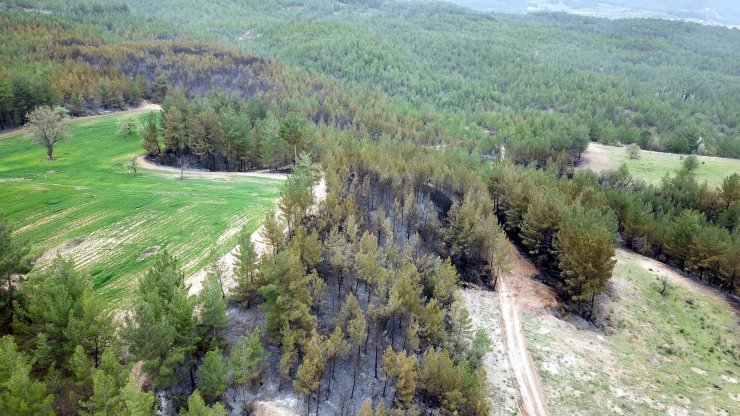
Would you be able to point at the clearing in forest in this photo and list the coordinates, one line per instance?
(672, 353)
(652, 166)
(85, 204)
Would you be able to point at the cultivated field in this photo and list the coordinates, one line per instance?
(85, 204)
(652, 166)
(666, 354)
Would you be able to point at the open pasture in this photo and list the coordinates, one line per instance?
(653, 166)
(86, 204)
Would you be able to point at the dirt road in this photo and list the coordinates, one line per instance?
(529, 386)
(517, 289)
(146, 106)
(206, 174)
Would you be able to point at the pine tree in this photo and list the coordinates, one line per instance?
(357, 331)
(432, 322)
(337, 347)
(19, 395)
(401, 370)
(405, 295)
(380, 410)
(110, 364)
(289, 353)
(213, 375)
(81, 367)
(198, 407)
(308, 245)
(93, 328)
(161, 330)
(149, 133)
(730, 264)
(540, 225)
(53, 299)
(292, 130)
(318, 290)
(272, 233)
(445, 282)
(105, 399)
(681, 235)
(296, 196)
(366, 409)
(175, 134)
(368, 260)
(311, 371)
(160, 87)
(14, 263)
(287, 294)
(247, 358)
(245, 268)
(213, 319)
(337, 251)
(479, 347)
(730, 189)
(376, 315)
(406, 379)
(136, 402)
(462, 323)
(586, 242)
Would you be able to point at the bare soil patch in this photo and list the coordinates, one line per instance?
(150, 251)
(597, 158)
(271, 409)
(530, 295)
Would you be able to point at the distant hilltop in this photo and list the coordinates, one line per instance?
(709, 12)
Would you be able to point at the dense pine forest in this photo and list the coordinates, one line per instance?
(425, 143)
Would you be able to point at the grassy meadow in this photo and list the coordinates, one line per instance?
(652, 166)
(86, 205)
(674, 353)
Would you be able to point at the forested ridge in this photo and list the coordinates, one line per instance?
(442, 136)
(625, 81)
(652, 82)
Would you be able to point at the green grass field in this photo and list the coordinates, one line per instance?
(87, 205)
(652, 166)
(673, 353)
